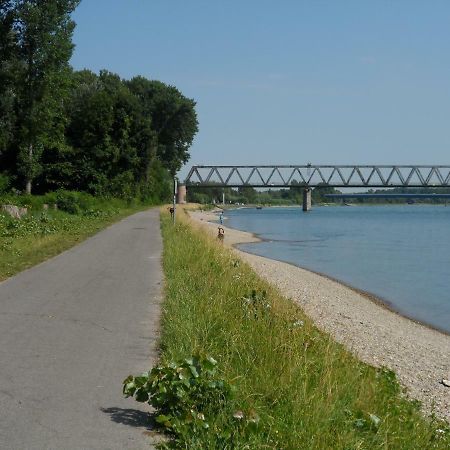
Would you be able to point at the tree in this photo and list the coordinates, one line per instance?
(43, 45)
(249, 193)
(79, 130)
(7, 63)
(112, 141)
(91, 113)
(173, 119)
(318, 194)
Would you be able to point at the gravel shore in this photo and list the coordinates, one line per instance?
(418, 355)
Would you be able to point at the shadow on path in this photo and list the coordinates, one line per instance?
(130, 417)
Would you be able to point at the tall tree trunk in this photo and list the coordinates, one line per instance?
(29, 176)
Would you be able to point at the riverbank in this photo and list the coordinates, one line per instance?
(418, 355)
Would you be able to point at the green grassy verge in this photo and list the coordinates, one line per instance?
(307, 390)
(43, 234)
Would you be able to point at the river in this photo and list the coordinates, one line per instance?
(400, 254)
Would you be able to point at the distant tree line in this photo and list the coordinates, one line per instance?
(403, 190)
(76, 130)
(292, 195)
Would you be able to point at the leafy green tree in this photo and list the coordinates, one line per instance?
(318, 193)
(89, 135)
(43, 45)
(112, 141)
(7, 68)
(157, 186)
(173, 118)
(61, 129)
(249, 193)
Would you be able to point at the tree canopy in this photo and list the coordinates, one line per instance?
(78, 130)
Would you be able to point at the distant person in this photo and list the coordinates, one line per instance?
(221, 234)
(172, 211)
(221, 218)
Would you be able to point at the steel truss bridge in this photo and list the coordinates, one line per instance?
(309, 175)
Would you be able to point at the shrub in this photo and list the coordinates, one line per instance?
(182, 393)
(67, 201)
(74, 202)
(24, 200)
(5, 183)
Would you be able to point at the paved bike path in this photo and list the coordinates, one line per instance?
(71, 329)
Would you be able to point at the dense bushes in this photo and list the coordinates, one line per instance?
(74, 202)
(71, 202)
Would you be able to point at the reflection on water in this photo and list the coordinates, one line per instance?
(399, 253)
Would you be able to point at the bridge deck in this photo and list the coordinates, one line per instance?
(320, 175)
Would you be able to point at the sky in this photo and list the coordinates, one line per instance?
(288, 81)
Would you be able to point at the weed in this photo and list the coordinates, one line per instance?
(183, 393)
(188, 397)
(44, 233)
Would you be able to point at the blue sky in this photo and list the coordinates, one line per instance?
(288, 82)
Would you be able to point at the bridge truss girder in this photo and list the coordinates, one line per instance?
(339, 176)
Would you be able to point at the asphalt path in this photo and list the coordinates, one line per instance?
(71, 329)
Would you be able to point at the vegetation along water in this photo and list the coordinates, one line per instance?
(275, 381)
(399, 253)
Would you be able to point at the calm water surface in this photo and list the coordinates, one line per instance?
(399, 253)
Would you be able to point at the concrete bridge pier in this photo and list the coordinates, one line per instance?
(306, 199)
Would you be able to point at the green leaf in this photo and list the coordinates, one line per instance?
(129, 389)
(141, 395)
(141, 380)
(128, 379)
(252, 426)
(194, 371)
(210, 364)
(164, 420)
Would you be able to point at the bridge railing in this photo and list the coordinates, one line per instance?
(318, 175)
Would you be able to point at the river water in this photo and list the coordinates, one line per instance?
(401, 254)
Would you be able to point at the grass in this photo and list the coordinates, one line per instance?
(41, 235)
(307, 390)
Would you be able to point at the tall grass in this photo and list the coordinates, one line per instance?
(42, 234)
(309, 392)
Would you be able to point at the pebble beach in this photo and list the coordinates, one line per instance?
(420, 356)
